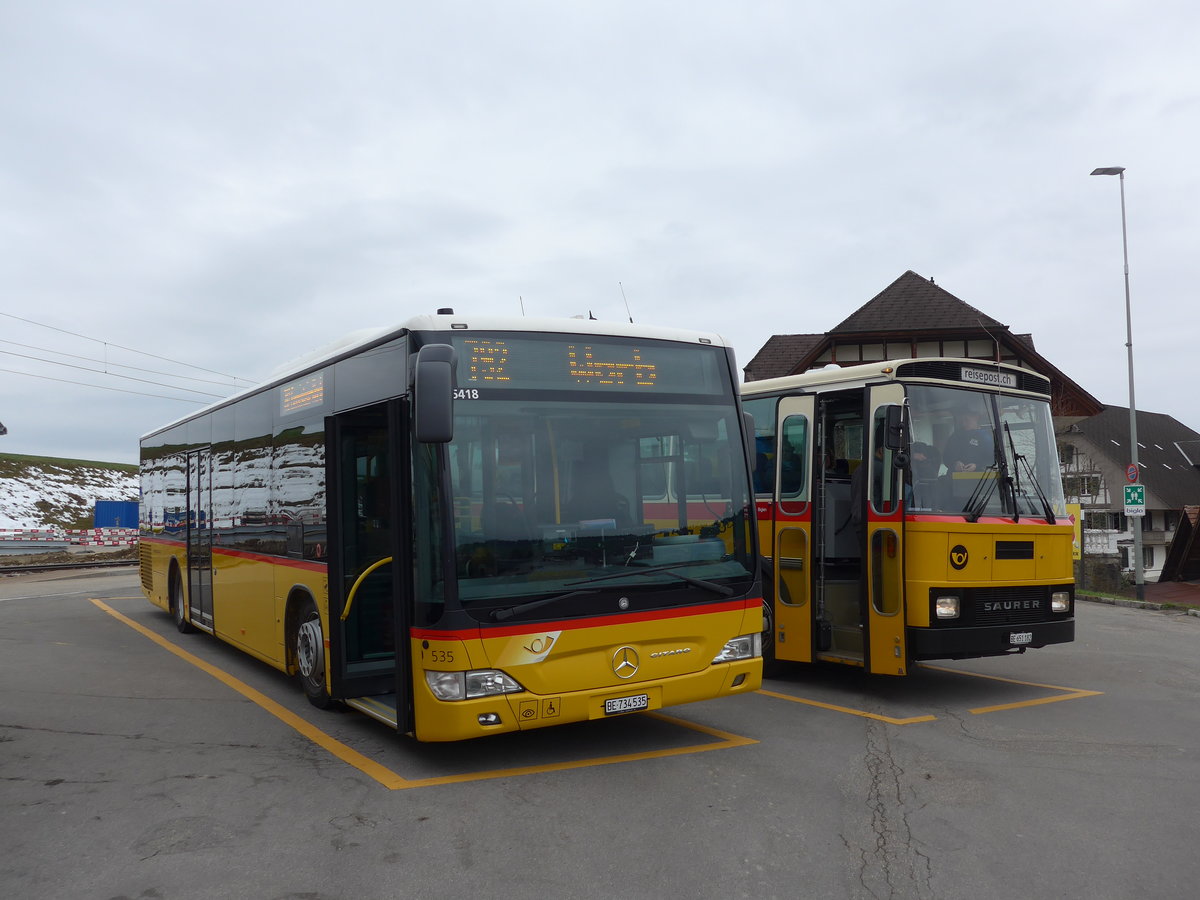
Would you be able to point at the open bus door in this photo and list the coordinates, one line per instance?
(883, 567)
(857, 532)
(368, 593)
(791, 530)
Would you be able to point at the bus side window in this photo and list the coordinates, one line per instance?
(793, 449)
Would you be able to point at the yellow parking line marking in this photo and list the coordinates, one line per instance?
(388, 778)
(846, 709)
(1068, 693)
(310, 731)
(725, 741)
(1074, 695)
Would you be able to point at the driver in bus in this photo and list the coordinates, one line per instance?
(970, 447)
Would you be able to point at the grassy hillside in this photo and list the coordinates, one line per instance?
(41, 491)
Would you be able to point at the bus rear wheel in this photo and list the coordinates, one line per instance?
(177, 606)
(309, 649)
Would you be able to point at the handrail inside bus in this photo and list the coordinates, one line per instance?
(369, 569)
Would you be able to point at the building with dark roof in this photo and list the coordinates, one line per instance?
(914, 317)
(1095, 455)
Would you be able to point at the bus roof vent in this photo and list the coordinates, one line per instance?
(445, 311)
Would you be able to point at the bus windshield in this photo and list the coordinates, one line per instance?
(974, 453)
(572, 503)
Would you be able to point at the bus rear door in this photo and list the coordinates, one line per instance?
(199, 538)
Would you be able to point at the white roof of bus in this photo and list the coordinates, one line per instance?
(561, 326)
(878, 371)
(458, 324)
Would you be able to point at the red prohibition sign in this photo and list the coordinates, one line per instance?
(1131, 472)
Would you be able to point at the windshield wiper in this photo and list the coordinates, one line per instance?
(1009, 481)
(499, 615)
(1047, 508)
(978, 501)
(634, 569)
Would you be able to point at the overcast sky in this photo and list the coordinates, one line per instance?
(230, 185)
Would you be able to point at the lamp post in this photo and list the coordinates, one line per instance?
(1138, 569)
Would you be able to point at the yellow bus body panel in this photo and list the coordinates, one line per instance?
(568, 673)
(934, 549)
(244, 606)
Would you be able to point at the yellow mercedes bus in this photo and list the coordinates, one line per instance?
(465, 525)
(910, 510)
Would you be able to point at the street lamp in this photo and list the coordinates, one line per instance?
(1138, 569)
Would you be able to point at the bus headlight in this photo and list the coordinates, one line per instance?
(1060, 601)
(748, 646)
(946, 606)
(470, 685)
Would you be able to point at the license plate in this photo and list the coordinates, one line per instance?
(1021, 637)
(626, 704)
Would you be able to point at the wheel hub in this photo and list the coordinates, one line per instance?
(308, 648)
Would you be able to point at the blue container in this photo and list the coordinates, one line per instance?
(115, 514)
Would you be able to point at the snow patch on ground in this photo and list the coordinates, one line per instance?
(43, 496)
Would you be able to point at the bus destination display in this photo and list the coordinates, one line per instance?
(594, 364)
(303, 393)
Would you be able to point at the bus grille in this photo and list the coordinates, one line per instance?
(1014, 549)
(1011, 606)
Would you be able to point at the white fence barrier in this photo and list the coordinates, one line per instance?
(85, 537)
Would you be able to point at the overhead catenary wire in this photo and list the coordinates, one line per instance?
(104, 362)
(111, 374)
(127, 349)
(103, 387)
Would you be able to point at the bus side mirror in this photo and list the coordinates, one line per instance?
(893, 438)
(433, 394)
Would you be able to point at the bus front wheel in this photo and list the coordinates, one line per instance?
(309, 647)
(771, 665)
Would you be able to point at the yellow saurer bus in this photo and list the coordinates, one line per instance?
(910, 510)
(465, 526)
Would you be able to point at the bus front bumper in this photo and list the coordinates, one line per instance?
(460, 720)
(989, 640)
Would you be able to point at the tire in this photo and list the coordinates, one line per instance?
(771, 666)
(177, 605)
(308, 646)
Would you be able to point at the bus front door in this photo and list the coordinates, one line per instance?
(792, 530)
(366, 481)
(199, 538)
(887, 653)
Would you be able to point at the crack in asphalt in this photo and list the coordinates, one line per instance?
(893, 864)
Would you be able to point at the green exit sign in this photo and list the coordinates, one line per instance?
(1135, 499)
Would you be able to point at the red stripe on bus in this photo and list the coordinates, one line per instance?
(307, 565)
(1006, 521)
